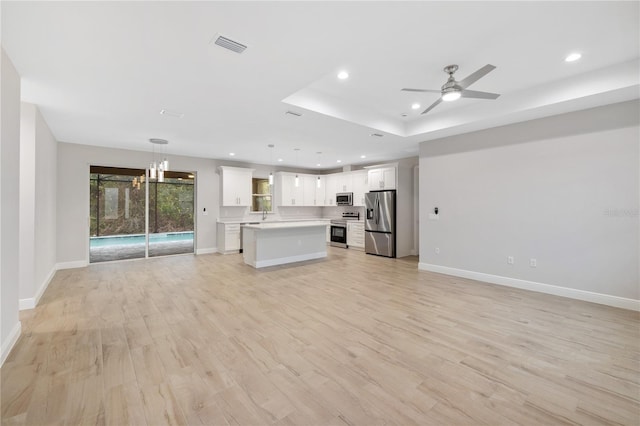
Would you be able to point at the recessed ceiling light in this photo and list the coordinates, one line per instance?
(280, 160)
(339, 161)
(232, 154)
(343, 75)
(415, 106)
(363, 156)
(573, 57)
(318, 165)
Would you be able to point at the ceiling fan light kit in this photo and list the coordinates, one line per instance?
(452, 95)
(453, 90)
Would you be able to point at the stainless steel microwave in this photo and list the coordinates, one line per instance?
(344, 199)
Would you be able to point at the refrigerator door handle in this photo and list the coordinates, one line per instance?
(377, 210)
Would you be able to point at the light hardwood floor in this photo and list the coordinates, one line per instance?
(354, 339)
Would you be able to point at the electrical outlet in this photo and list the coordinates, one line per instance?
(510, 260)
(437, 250)
(533, 263)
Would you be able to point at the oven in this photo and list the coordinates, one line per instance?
(338, 233)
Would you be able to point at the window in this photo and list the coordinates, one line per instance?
(261, 195)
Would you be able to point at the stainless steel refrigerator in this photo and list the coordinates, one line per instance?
(380, 223)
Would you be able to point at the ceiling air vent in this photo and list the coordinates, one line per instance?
(297, 114)
(234, 46)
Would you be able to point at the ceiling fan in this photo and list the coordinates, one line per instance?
(453, 89)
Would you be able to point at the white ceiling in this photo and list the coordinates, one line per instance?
(101, 72)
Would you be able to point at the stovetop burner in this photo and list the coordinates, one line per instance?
(347, 216)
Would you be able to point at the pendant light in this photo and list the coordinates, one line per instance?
(161, 172)
(296, 182)
(319, 181)
(271, 162)
(157, 169)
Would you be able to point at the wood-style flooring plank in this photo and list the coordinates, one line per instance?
(349, 340)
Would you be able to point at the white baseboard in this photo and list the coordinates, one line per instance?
(290, 259)
(572, 293)
(10, 341)
(71, 265)
(32, 302)
(207, 250)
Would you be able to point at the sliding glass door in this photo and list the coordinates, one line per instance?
(118, 200)
(171, 206)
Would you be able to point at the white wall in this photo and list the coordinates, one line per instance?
(27, 200)
(38, 152)
(404, 208)
(563, 190)
(46, 202)
(10, 202)
(73, 195)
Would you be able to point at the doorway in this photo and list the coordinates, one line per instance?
(118, 214)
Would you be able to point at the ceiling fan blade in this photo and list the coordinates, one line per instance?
(478, 95)
(433, 105)
(421, 90)
(470, 79)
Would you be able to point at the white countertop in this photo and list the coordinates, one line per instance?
(269, 220)
(287, 225)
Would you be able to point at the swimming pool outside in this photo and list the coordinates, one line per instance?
(139, 239)
(120, 247)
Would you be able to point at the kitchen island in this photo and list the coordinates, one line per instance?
(278, 243)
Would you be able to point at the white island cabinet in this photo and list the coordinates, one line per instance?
(269, 244)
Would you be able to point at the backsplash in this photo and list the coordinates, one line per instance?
(287, 213)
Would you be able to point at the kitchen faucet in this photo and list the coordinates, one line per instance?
(264, 213)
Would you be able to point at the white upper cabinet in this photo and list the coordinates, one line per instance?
(343, 183)
(382, 178)
(321, 190)
(330, 191)
(313, 189)
(287, 192)
(359, 183)
(236, 186)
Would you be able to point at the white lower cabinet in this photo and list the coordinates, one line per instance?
(228, 238)
(355, 235)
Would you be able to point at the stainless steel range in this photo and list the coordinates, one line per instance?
(339, 229)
